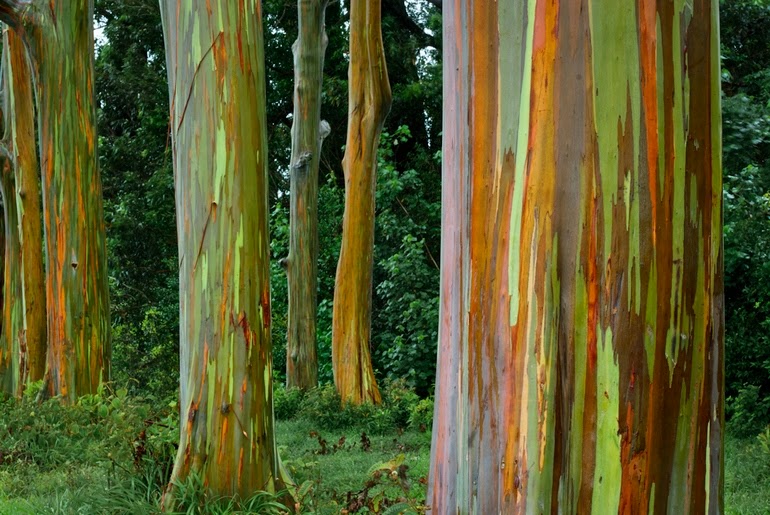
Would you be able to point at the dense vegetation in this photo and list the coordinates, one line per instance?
(112, 452)
(746, 137)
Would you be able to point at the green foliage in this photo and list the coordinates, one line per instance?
(132, 91)
(405, 324)
(193, 498)
(746, 142)
(109, 453)
(287, 402)
(421, 416)
(323, 407)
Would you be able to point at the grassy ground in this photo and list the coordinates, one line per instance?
(341, 468)
(747, 475)
(81, 461)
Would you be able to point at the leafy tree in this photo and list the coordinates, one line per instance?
(581, 354)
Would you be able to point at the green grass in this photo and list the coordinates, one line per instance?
(747, 475)
(347, 469)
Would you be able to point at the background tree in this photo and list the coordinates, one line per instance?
(368, 104)
(24, 324)
(581, 354)
(20, 127)
(308, 133)
(60, 39)
(217, 91)
(13, 357)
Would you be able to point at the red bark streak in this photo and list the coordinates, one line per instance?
(223, 436)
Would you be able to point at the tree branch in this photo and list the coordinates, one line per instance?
(398, 9)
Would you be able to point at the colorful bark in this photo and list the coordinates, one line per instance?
(581, 328)
(59, 36)
(13, 355)
(214, 51)
(369, 100)
(307, 134)
(28, 318)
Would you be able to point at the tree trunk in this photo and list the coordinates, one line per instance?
(214, 53)
(581, 329)
(13, 354)
(307, 134)
(369, 100)
(59, 36)
(24, 315)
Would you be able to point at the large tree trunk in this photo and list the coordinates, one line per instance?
(214, 53)
(307, 134)
(59, 36)
(24, 326)
(369, 100)
(581, 328)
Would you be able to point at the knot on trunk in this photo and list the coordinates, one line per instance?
(324, 129)
(302, 161)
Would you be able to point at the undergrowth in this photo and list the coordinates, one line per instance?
(112, 454)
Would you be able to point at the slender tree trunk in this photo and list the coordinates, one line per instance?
(60, 39)
(307, 134)
(581, 330)
(13, 355)
(25, 328)
(214, 52)
(369, 100)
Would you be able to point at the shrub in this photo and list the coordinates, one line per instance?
(323, 407)
(400, 400)
(421, 416)
(286, 401)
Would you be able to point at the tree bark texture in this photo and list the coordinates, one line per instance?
(24, 315)
(369, 99)
(59, 37)
(214, 54)
(581, 324)
(13, 352)
(307, 137)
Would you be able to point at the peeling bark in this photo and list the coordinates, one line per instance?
(214, 52)
(369, 100)
(581, 349)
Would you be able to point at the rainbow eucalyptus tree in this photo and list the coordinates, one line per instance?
(307, 135)
(59, 37)
(23, 339)
(581, 325)
(12, 348)
(369, 99)
(214, 55)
